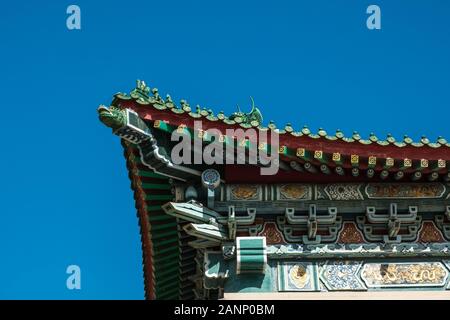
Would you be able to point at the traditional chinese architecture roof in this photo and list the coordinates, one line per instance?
(143, 96)
(167, 259)
(175, 227)
(332, 156)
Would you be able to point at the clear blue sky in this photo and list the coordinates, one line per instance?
(64, 191)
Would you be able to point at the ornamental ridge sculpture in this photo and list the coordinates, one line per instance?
(112, 117)
(254, 117)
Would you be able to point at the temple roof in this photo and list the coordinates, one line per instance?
(336, 156)
(171, 230)
(143, 95)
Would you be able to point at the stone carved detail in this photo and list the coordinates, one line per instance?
(404, 190)
(344, 191)
(272, 234)
(341, 275)
(350, 234)
(430, 233)
(244, 192)
(294, 192)
(404, 274)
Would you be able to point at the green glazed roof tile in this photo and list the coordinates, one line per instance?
(339, 134)
(400, 144)
(363, 141)
(417, 144)
(305, 130)
(145, 96)
(322, 133)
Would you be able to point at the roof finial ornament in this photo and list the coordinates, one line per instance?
(142, 87)
(168, 102)
(390, 138)
(424, 139)
(157, 95)
(185, 105)
(253, 117)
(253, 104)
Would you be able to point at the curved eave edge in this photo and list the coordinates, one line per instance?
(143, 99)
(146, 265)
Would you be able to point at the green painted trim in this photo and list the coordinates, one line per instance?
(167, 294)
(165, 250)
(156, 186)
(159, 265)
(251, 254)
(150, 174)
(162, 217)
(168, 286)
(164, 235)
(160, 235)
(168, 270)
(167, 280)
(159, 227)
(159, 197)
(163, 257)
(164, 242)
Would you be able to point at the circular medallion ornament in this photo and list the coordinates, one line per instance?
(211, 178)
(299, 276)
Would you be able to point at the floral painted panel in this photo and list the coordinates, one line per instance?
(341, 275)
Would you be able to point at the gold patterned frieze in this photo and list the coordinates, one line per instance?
(272, 234)
(350, 234)
(421, 274)
(429, 233)
(294, 192)
(244, 192)
(404, 190)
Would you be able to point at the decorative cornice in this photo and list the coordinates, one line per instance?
(145, 96)
(372, 250)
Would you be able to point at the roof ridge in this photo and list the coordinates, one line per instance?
(145, 96)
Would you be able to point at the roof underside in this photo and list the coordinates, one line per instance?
(168, 260)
